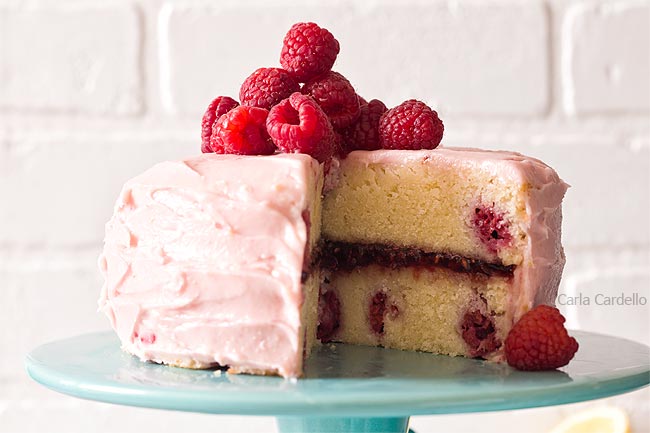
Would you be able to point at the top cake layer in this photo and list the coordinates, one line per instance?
(203, 260)
(495, 206)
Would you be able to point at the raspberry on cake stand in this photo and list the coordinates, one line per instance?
(346, 388)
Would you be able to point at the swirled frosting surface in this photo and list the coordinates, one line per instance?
(203, 260)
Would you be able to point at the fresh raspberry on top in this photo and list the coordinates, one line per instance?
(364, 133)
(336, 97)
(219, 106)
(299, 125)
(308, 51)
(539, 341)
(266, 87)
(242, 131)
(411, 125)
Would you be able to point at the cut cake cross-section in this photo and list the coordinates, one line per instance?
(439, 250)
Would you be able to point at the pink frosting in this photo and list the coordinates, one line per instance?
(536, 280)
(203, 260)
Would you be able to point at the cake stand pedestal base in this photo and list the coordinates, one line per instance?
(342, 425)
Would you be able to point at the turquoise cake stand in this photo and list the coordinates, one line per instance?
(346, 388)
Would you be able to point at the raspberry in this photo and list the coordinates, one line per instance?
(479, 333)
(336, 97)
(539, 341)
(242, 131)
(329, 316)
(266, 87)
(217, 107)
(299, 125)
(364, 133)
(411, 125)
(378, 309)
(339, 145)
(308, 51)
(491, 228)
(148, 338)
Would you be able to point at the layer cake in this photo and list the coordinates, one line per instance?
(217, 260)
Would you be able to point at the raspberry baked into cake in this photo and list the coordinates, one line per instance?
(313, 215)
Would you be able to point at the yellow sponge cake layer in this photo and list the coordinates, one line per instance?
(433, 310)
(446, 200)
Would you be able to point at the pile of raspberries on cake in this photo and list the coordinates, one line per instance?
(305, 107)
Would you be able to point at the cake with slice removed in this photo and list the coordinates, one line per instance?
(213, 260)
(439, 250)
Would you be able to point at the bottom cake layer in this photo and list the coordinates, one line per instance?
(415, 308)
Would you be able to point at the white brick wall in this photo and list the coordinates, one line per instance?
(93, 92)
(607, 57)
(75, 173)
(81, 59)
(466, 65)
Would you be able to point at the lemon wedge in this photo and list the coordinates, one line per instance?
(595, 420)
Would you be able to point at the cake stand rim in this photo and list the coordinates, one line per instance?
(331, 404)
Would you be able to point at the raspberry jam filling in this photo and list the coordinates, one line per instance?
(348, 256)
